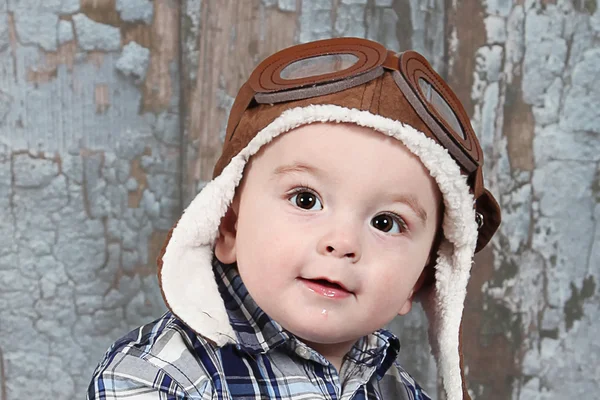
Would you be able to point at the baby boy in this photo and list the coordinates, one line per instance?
(350, 184)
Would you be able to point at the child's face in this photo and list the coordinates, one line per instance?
(331, 229)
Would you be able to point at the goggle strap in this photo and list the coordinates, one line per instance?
(392, 61)
(318, 90)
(443, 138)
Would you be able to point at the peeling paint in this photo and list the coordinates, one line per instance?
(101, 98)
(4, 37)
(596, 185)
(161, 82)
(495, 28)
(428, 31)
(5, 105)
(48, 70)
(65, 32)
(350, 19)
(92, 161)
(190, 33)
(282, 5)
(30, 172)
(542, 152)
(403, 26)
(95, 58)
(101, 11)
(580, 111)
(2, 378)
(587, 6)
(12, 38)
(287, 5)
(501, 8)
(315, 20)
(573, 308)
(69, 6)
(137, 183)
(34, 26)
(470, 35)
(93, 35)
(489, 337)
(381, 24)
(519, 128)
(135, 10)
(546, 53)
(77, 265)
(137, 32)
(134, 61)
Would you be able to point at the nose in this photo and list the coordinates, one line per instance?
(341, 243)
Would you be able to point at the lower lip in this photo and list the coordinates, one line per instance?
(326, 291)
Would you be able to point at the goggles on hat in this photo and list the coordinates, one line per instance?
(333, 65)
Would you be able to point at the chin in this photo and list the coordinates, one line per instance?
(325, 339)
(324, 333)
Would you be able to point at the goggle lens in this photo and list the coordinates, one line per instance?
(441, 106)
(319, 65)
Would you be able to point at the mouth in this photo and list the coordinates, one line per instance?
(330, 284)
(327, 288)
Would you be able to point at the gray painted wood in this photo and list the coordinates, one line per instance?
(89, 182)
(105, 135)
(535, 293)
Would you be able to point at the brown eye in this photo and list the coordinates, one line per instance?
(306, 201)
(388, 223)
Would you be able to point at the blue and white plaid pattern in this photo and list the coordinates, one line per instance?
(167, 360)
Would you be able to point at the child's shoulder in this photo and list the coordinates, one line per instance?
(397, 380)
(163, 356)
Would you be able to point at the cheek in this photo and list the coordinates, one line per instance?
(398, 273)
(268, 227)
(262, 240)
(392, 284)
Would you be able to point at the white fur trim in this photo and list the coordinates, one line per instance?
(187, 278)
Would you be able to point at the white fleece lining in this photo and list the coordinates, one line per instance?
(187, 280)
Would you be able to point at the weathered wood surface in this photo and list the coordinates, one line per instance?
(89, 182)
(107, 131)
(528, 71)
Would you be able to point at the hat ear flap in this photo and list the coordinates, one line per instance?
(443, 305)
(185, 268)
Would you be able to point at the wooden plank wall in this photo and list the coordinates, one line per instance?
(112, 114)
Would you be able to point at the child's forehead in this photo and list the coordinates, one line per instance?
(322, 143)
(336, 152)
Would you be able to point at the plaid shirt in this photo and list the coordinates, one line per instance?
(167, 360)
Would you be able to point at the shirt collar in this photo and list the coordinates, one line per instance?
(257, 333)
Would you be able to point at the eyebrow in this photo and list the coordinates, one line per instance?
(411, 201)
(296, 168)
